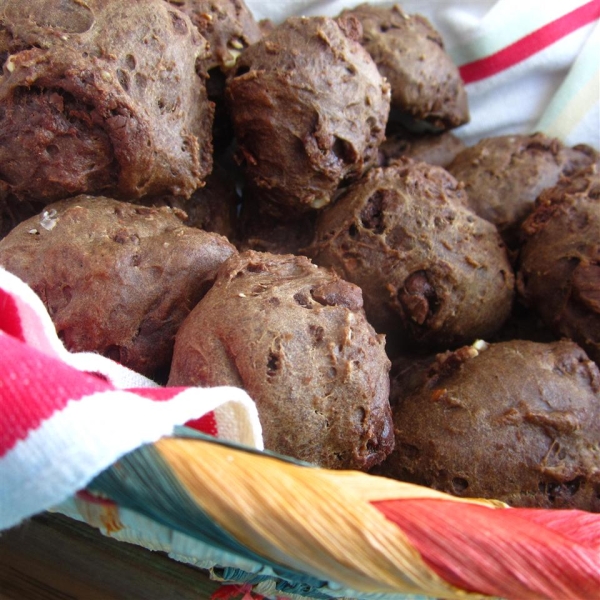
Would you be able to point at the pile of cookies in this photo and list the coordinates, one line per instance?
(212, 200)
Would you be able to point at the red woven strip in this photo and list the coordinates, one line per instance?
(504, 552)
(33, 386)
(530, 44)
(232, 591)
(10, 321)
(585, 528)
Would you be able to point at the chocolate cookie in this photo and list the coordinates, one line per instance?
(559, 265)
(504, 175)
(101, 97)
(410, 54)
(116, 278)
(295, 337)
(518, 421)
(309, 109)
(433, 274)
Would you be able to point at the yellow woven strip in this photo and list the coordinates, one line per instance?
(372, 488)
(302, 518)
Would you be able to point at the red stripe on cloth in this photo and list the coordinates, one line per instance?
(530, 44)
(503, 552)
(10, 322)
(93, 499)
(160, 394)
(33, 386)
(206, 424)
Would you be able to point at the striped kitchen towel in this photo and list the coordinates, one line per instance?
(66, 417)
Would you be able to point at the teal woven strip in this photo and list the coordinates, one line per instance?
(297, 588)
(187, 432)
(142, 481)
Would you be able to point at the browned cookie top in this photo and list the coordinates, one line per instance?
(227, 25)
(559, 270)
(309, 110)
(518, 421)
(116, 278)
(504, 175)
(433, 273)
(295, 337)
(410, 53)
(101, 96)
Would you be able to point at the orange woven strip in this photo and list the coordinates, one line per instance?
(513, 553)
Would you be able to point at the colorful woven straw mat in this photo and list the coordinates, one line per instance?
(84, 436)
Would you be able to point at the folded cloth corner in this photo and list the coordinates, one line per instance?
(66, 417)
